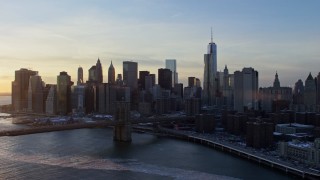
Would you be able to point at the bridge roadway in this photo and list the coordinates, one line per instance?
(98, 124)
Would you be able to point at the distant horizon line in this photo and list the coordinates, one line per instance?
(5, 94)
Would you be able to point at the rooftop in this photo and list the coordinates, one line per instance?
(296, 125)
(301, 144)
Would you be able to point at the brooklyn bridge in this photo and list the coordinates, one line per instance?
(122, 124)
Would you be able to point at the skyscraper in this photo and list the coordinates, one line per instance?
(191, 81)
(210, 71)
(130, 79)
(92, 75)
(51, 101)
(109, 94)
(111, 74)
(198, 83)
(78, 98)
(99, 74)
(130, 74)
(310, 94)
(165, 78)
(149, 81)
(142, 79)
(245, 89)
(172, 65)
(276, 98)
(119, 80)
(36, 94)
(227, 88)
(80, 76)
(276, 83)
(318, 89)
(20, 89)
(298, 92)
(64, 84)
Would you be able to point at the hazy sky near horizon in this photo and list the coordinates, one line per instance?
(53, 36)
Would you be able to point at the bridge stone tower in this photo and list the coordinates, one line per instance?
(122, 129)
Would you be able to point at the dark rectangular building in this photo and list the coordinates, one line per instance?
(165, 78)
(20, 89)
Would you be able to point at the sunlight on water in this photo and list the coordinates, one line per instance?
(107, 164)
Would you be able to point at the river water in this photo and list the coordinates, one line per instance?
(92, 154)
(5, 100)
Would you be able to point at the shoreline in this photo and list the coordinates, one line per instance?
(44, 129)
(239, 153)
(180, 135)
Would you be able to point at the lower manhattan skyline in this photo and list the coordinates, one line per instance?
(269, 36)
(161, 89)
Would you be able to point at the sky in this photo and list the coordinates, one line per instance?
(61, 35)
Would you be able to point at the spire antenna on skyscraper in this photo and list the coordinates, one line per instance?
(211, 35)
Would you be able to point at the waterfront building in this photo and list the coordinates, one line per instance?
(51, 100)
(259, 134)
(111, 74)
(205, 123)
(282, 117)
(172, 65)
(99, 74)
(294, 128)
(142, 79)
(210, 73)
(20, 87)
(305, 152)
(275, 98)
(165, 78)
(310, 94)
(130, 74)
(236, 123)
(36, 94)
(80, 76)
(64, 84)
(192, 106)
(245, 89)
(78, 94)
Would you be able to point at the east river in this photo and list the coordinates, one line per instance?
(92, 154)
